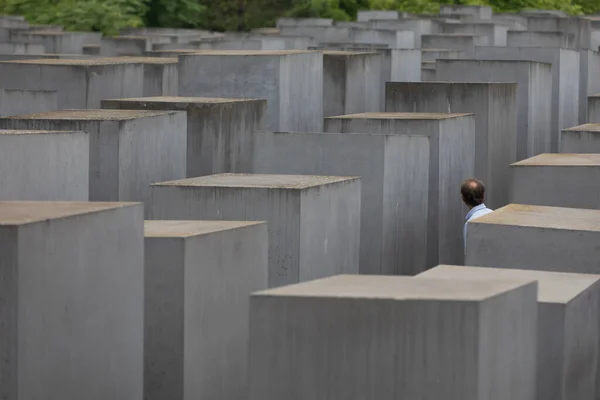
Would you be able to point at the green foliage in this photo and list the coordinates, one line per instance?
(175, 13)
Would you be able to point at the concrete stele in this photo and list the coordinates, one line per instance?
(313, 221)
(72, 284)
(451, 161)
(17, 101)
(494, 106)
(406, 333)
(291, 81)
(581, 139)
(161, 75)
(568, 326)
(198, 279)
(129, 149)
(536, 237)
(44, 165)
(220, 132)
(395, 179)
(537, 181)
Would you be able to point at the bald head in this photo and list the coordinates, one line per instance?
(473, 192)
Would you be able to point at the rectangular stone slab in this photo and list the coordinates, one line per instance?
(351, 336)
(581, 139)
(72, 287)
(313, 221)
(198, 279)
(568, 326)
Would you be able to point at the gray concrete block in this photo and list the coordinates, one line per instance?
(395, 181)
(534, 93)
(22, 48)
(495, 33)
(161, 75)
(78, 83)
(581, 139)
(434, 54)
(15, 101)
(477, 12)
(393, 39)
(451, 160)
(313, 221)
(198, 279)
(540, 39)
(418, 26)
(565, 80)
(593, 102)
(56, 41)
(129, 150)
(494, 106)
(220, 132)
(406, 65)
(291, 81)
(351, 82)
(13, 21)
(312, 22)
(73, 300)
(535, 181)
(568, 322)
(577, 29)
(536, 237)
(44, 165)
(590, 68)
(119, 46)
(387, 338)
(455, 41)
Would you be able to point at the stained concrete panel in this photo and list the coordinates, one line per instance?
(78, 83)
(44, 165)
(540, 39)
(568, 322)
(395, 180)
(160, 75)
(73, 300)
(534, 93)
(434, 54)
(418, 26)
(119, 46)
(291, 81)
(451, 160)
(406, 334)
(406, 65)
(22, 48)
(589, 68)
(581, 139)
(454, 41)
(18, 101)
(494, 106)
(57, 41)
(536, 181)
(536, 237)
(198, 279)
(565, 80)
(593, 102)
(351, 82)
(128, 149)
(220, 132)
(495, 33)
(314, 221)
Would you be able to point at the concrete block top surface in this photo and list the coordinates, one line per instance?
(491, 62)
(72, 62)
(399, 115)
(145, 60)
(247, 52)
(189, 101)
(346, 53)
(183, 229)
(543, 217)
(584, 128)
(373, 287)
(13, 213)
(32, 132)
(561, 159)
(553, 287)
(91, 115)
(263, 181)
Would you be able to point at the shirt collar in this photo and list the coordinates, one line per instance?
(474, 210)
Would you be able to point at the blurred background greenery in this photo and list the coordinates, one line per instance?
(109, 16)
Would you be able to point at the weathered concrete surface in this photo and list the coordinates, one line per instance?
(78, 83)
(351, 82)
(454, 41)
(536, 237)
(534, 93)
(291, 81)
(568, 322)
(495, 33)
(17, 101)
(593, 102)
(494, 106)
(395, 182)
(581, 139)
(73, 296)
(22, 48)
(198, 279)
(535, 181)
(129, 149)
(540, 39)
(301, 345)
(161, 75)
(314, 221)
(434, 54)
(588, 85)
(220, 132)
(565, 80)
(406, 65)
(44, 165)
(451, 160)
(56, 41)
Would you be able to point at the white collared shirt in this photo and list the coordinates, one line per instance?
(475, 212)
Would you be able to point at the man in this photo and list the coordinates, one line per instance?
(473, 193)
